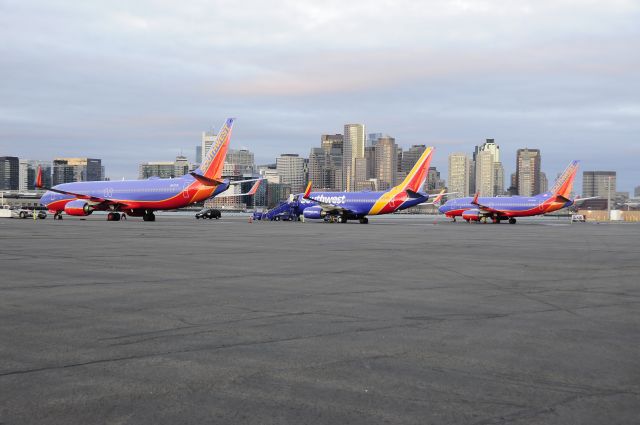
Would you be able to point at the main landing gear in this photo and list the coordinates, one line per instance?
(363, 220)
(149, 216)
(57, 215)
(512, 220)
(113, 216)
(339, 219)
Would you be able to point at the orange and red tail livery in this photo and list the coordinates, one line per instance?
(39, 178)
(418, 174)
(212, 165)
(564, 184)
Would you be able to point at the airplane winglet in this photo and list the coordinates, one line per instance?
(307, 191)
(254, 188)
(412, 194)
(475, 198)
(38, 184)
(439, 197)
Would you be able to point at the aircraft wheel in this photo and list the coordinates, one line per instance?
(364, 220)
(343, 219)
(110, 217)
(116, 217)
(512, 220)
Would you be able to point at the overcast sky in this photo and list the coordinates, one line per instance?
(135, 81)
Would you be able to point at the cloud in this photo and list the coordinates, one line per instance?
(105, 78)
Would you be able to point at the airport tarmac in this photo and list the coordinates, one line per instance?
(406, 320)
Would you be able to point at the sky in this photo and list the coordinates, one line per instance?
(130, 82)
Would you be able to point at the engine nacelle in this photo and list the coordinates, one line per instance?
(472, 215)
(78, 208)
(314, 212)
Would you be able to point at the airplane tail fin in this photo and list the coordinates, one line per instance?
(254, 188)
(307, 191)
(564, 185)
(38, 183)
(438, 199)
(213, 162)
(418, 174)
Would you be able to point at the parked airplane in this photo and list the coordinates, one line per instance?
(343, 206)
(508, 208)
(140, 198)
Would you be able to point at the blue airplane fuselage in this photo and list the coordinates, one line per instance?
(360, 204)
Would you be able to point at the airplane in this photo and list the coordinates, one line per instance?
(508, 208)
(140, 198)
(344, 206)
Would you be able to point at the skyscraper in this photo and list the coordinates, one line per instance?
(319, 170)
(9, 173)
(291, 169)
(434, 182)
(458, 175)
(199, 154)
(544, 182)
(599, 184)
(485, 173)
(386, 162)
(333, 145)
(370, 156)
(241, 161)
(353, 148)
(492, 175)
(528, 163)
(68, 170)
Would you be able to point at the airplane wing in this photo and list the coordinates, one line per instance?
(96, 199)
(438, 198)
(252, 191)
(484, 208)
(575, 201)
(245, 181)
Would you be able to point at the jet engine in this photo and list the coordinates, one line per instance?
(78, 207)
(314, 212)
(471, 215)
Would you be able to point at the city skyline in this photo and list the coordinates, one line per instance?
(135, 82)
(510, 166)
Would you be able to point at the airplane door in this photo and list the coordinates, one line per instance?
(185, 190)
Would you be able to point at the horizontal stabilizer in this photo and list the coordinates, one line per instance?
(414, 195)
(206, 180)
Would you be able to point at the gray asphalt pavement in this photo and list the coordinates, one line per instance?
(401, 321)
